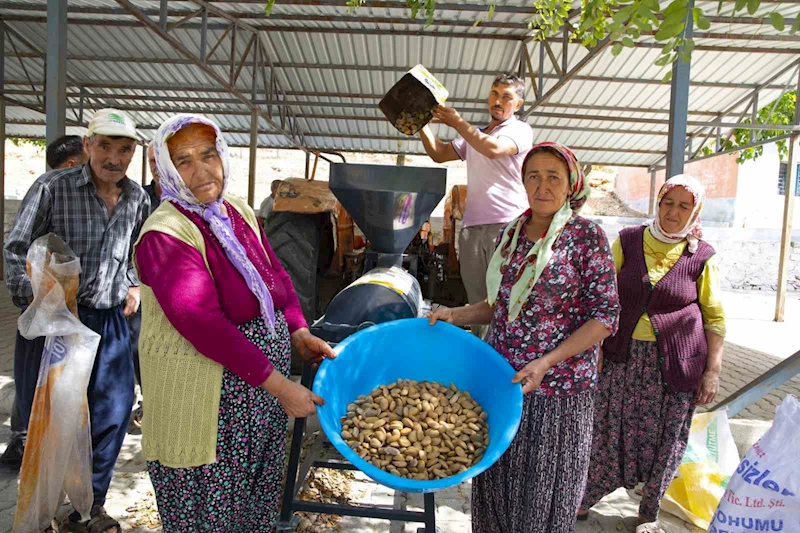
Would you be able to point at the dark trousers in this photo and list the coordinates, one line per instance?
(135, 325)
(110, 392)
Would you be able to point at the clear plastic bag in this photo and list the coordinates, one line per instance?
(764, 492)
(58, 452)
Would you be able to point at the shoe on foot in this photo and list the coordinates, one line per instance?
(12, 457)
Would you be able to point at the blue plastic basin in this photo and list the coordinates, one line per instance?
(411, 349)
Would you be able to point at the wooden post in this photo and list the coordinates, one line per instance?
(652, 203)
(788, 213)
(251, 184)
(786, 229)
(401, 160)
(144, 164)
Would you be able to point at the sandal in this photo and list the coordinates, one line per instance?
(101, 521)
(650, 527)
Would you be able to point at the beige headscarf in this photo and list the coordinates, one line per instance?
(693, 231)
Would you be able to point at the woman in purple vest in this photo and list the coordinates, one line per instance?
(666, 356)
(552, 299)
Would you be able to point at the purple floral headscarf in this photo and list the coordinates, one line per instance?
(175, 190)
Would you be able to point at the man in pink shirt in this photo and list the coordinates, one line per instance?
(495, 194)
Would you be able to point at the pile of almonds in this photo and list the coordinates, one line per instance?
(417, 430)
(411, 123)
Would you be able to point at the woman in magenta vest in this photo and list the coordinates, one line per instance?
(552, 299)
(666, 356)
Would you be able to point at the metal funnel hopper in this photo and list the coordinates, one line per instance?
(388, 203)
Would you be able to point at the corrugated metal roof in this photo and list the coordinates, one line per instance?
(334, 65)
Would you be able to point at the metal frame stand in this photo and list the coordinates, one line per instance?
(288, 522)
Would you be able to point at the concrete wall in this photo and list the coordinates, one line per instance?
(719, 175)
(758, 203)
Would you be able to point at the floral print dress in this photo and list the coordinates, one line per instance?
(577, 285)
(241, 492)
(536, 486)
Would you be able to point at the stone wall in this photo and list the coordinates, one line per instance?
(754, 265)
(747, 258)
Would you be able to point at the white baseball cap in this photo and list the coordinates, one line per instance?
(112, 123)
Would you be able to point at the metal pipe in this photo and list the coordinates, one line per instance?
(2, 147)
(251, 183)
(679, 106)
(56, 89)
(204, 35)
(541, 69)
(162, 15)
(144, 164)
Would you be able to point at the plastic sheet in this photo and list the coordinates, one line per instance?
(58, 452)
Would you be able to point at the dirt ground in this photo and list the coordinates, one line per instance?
(603, 201)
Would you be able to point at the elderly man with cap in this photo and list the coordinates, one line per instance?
(98, 212)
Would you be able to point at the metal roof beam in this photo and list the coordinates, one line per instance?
(750, 99)
(210, 72)
(244, 15)
(567, 76)
(284, 29)
(541, 115)
(186, 15)
(471, 7)
(346, 105)
(399, 69)
(723, 49)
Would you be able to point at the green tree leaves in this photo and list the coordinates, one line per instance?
(778, 112)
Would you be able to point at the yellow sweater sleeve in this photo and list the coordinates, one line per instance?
(708, 295)
(616, 253)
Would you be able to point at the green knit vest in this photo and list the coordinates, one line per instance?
(181, 387)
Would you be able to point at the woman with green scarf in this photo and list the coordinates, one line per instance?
(552, 299)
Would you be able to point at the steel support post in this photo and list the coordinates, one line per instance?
(308, 164)
(401, 160)
(541, 67)
(204, 35)
(251, 184)
(56, 87)
(162, 15)
(679, 108)
(754, 116)
(2, 146)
